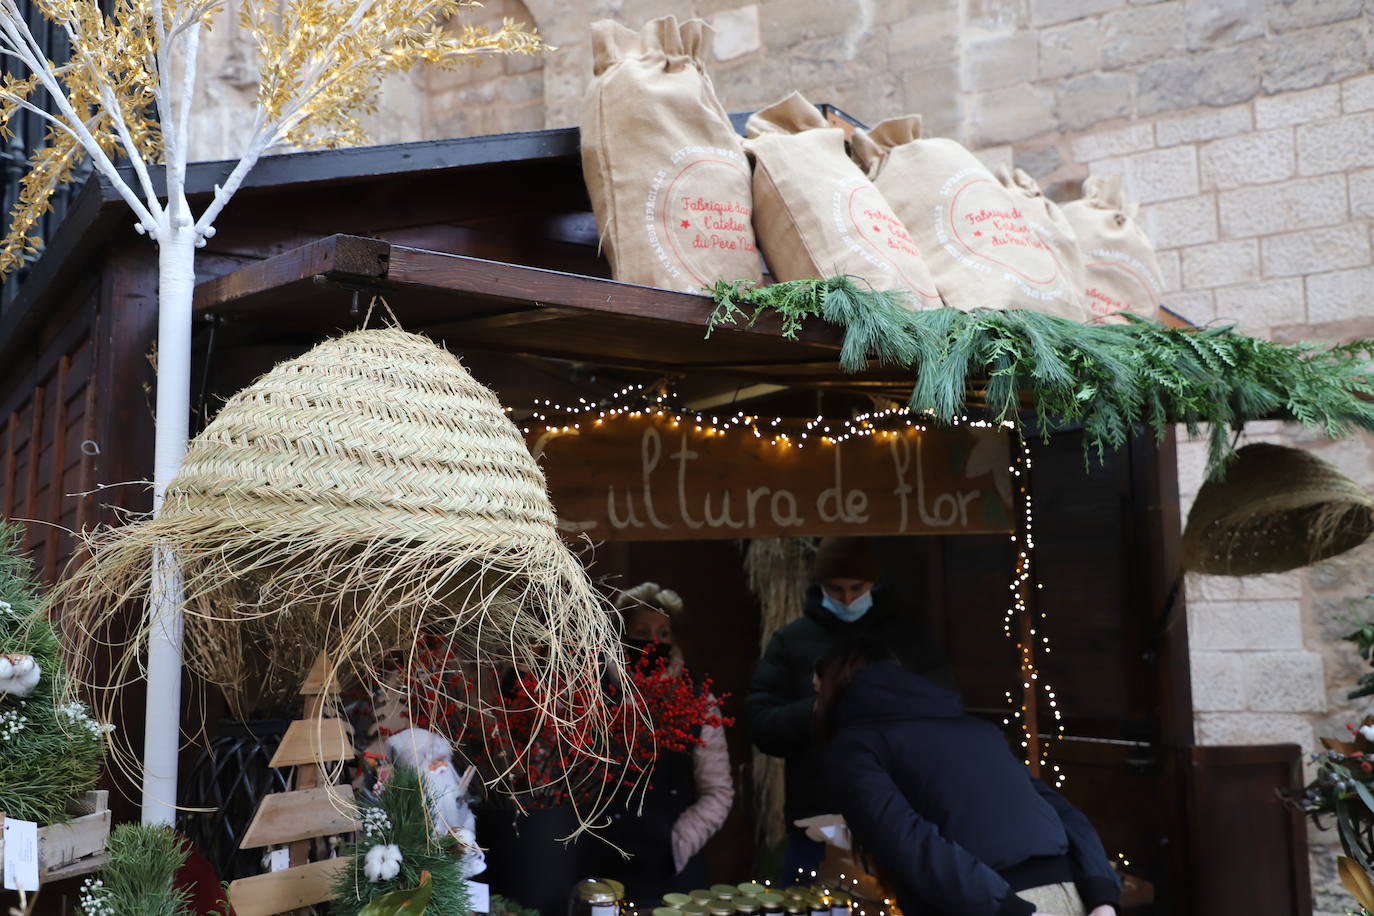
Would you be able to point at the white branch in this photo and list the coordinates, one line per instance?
(259, 141)
(21, 40)
(116, 114)
(188, 88)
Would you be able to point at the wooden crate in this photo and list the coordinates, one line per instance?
(76, 847)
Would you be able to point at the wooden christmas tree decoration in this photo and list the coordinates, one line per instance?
(312, 810)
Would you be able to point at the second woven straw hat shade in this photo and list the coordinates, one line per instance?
(349, 500)
(1277, 508)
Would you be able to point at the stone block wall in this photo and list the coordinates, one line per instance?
(1244, 128)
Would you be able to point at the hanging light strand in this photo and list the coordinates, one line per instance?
(1032, 639)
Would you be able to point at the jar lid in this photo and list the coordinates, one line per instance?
(751, 889)
(746, 904)
(593, 891)
(724, 891)
(702, 895)
(695, 908)
(666, 911)
(722, 908)
(676, 900)
(771, 897)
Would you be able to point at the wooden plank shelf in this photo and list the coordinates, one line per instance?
(288, 889)
(314, 741)
(285, 817)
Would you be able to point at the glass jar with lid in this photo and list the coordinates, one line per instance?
(593, 897)
(841, 904)
(772, 903)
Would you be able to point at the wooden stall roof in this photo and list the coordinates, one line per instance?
(492, 305)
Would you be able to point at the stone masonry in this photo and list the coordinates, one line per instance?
(1244, 128)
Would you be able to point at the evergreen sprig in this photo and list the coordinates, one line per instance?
(140, 878)
(399, 815)
(1108, 378)
(50, 748)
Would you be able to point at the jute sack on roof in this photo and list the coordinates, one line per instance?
(350, 499)
(1052, 227)
(816, 215)
(1277, 508)
(980, 239)
(668, 179)
(1121, 270)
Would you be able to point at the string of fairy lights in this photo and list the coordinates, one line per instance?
(638, 401)
(657, 402)
(1022, 607)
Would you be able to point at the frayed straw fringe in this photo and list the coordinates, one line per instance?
(348, 501)
(779, 570)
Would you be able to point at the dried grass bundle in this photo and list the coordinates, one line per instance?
(779, 570)
(347, 502)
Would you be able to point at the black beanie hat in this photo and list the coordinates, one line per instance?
(847, 558)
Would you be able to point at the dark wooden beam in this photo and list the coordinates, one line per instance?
(335, 257)
(514, 283)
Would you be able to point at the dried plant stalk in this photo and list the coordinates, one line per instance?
(779, 570)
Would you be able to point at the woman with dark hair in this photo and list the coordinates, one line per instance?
(938, 799)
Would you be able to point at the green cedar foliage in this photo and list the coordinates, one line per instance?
(1108, 378)
(50, 749)
(140, 877)
(403, 821)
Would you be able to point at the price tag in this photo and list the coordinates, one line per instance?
(479, 897)
(279, 860)
(21, 855)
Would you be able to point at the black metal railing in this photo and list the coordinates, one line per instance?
(28, 131)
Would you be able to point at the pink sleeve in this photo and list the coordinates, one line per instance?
(715, 794)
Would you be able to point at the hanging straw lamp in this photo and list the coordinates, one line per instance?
(1277, 508)
(348, 501)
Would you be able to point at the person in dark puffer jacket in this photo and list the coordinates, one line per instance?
(938, 800)
(843, 604)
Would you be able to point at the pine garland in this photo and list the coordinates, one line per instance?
(1108, 378)
(50, 749)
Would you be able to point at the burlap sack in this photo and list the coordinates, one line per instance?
(1122, 272)
(983, 242)
(667, 176)
(1048, 222)
(815, 213)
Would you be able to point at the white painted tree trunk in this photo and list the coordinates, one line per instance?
(162, 716)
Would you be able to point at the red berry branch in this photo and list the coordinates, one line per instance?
(663, 711)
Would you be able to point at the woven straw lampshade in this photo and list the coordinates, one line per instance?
(349, 500)
(1277, 509)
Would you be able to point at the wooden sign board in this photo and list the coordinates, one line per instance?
(644, 479)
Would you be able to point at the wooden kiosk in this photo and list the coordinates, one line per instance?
(488, 245)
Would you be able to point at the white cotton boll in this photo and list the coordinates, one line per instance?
(19, 675)
(1367, 732)
(383, 862)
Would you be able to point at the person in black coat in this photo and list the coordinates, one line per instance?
(843, 604)
(936, 797)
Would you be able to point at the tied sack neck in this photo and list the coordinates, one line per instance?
(676, 45)
(872, 147)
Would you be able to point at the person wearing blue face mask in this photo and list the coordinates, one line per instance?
(845, 602)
